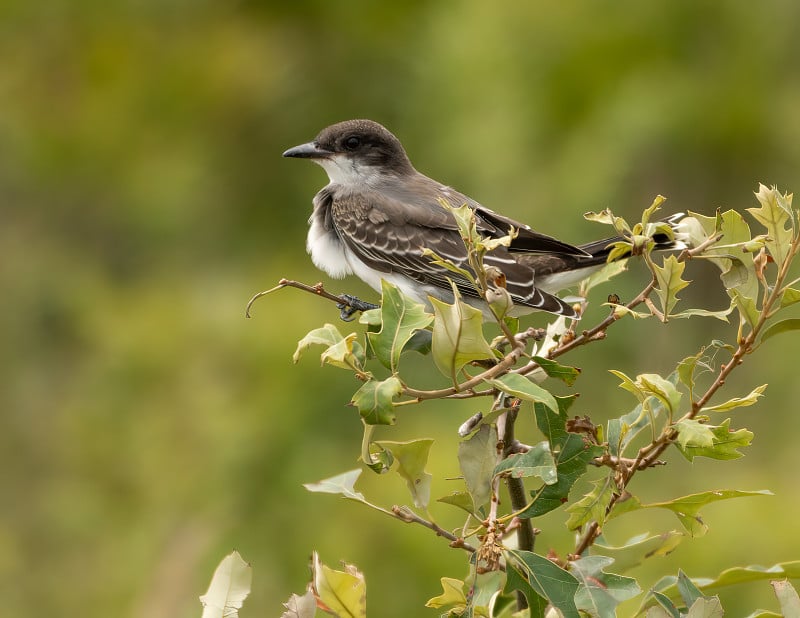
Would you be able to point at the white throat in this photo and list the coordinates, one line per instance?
(345, 171)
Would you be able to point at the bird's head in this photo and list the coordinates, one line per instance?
(355, 152)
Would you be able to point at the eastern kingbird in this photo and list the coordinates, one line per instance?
(378, 213)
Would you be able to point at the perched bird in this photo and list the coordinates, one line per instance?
(378, 213)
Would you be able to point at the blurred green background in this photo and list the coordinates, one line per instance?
(148, 428)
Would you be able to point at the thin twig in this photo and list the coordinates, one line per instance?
(407, 515)
(317, 289)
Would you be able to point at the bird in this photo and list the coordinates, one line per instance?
(378, 213)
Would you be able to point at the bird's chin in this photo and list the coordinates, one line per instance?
(346, 172)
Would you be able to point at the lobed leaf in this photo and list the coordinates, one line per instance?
(571, 454)
(375, 400)
(452, 597)
(686, 508)
(774, 213)
(411, 458)
(593, 506)
(343, 352)
(725, 443)
(670, 282)
(600, 593)
(400, 319)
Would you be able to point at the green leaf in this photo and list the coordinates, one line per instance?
(606, 217)
(485, 586)
(637, 549)
(400, 319)
(651, 385)
(477, 456)
(730, 577)
(343, 352)
(737, 402)
(784, 326)
(747, 308)
(452, 597)
(460, 499)
(228, 589)
(688, 366)
(549, 581)
(687, 508)
(538, 461)
(457, 336)
(688, 591)
(692, 432)
(706, 608)
(606, 273)
(787, 597)
(774, 213)
(571, 454)
(517, 385)
(592, 507)
(517, 581)
(664, 604)
(343, 484)
(737, 272)
(722, 314)
(411, 458)
(375, 400)
(600, 593)
(670, 283)
(725, 443)
(553, 369)
(621, 431)
(341, 593)
(789, 296)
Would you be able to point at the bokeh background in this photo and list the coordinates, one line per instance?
(147, 428)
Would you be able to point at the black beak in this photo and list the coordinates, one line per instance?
(307, 151)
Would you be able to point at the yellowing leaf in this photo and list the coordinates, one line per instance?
(343, 352)
(342, 593)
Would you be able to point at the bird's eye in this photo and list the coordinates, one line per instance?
(352, 142)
